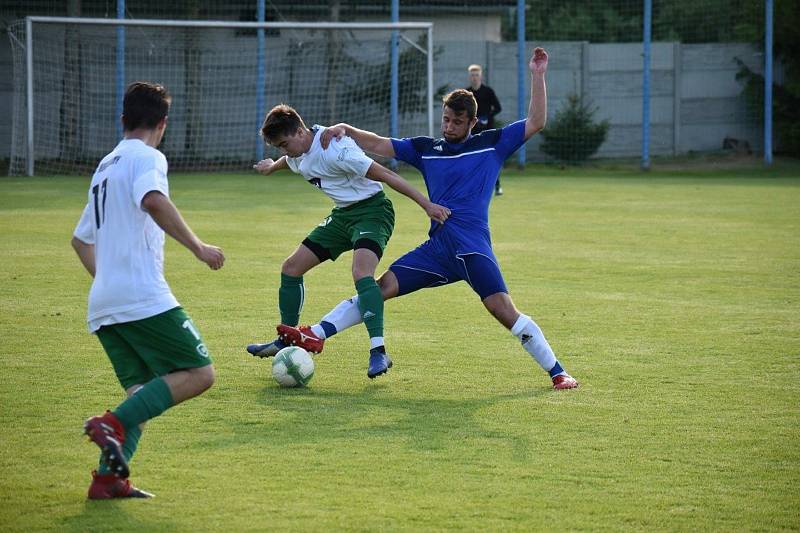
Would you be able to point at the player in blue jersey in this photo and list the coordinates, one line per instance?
(460, 171)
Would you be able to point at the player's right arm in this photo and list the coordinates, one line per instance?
(268, 166)
(366, 140)
(378, 172)
(85, 253)
(83, 240)
(167, 216)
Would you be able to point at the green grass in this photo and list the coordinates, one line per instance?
(672, 297)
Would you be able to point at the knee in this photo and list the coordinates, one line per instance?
(361, 272)
(388, 285)
(495, 309)
(204, 378)
(290, 267)
(502, 308)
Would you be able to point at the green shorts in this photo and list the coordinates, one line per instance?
(145, 349)
(365, 224)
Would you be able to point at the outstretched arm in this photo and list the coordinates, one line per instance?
(537, 110)
(368, 141)
(170, 220)
(377, 172)
(268, 166)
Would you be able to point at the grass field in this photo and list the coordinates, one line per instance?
(671, 296)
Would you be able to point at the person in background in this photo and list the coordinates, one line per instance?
(488, 107)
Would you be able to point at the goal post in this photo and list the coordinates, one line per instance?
(221, 77)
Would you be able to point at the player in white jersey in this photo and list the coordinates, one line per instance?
(155, 348)
(362, 221)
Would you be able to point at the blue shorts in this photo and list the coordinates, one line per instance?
(434, 263)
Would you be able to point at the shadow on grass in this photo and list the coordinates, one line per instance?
(114, 515)
(291, 417)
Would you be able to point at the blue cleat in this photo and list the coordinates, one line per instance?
(379, 363)
(266, 350)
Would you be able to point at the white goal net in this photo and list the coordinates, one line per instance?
(69, 75)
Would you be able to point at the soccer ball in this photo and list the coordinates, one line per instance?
(292, 367)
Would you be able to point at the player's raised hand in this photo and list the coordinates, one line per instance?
(538, 62)
(211, 255)
(265, 166)
(334, 132)
(437, 212)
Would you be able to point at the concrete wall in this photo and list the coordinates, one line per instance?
(695, 98)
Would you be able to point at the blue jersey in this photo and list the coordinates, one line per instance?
(461, 176)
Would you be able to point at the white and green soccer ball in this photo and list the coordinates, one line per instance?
(292, 367)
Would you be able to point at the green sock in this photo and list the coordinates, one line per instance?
(128, 448)
(148, 402)
(370, 304)
(290, 299)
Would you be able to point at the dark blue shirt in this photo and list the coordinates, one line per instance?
(461, 176)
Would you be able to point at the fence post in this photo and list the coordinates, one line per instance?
(676, 98)
(768, 84)
(394, 90)
(29, 91)
(120, 67)
(261, 78)
(584, 70)
(521, 73)
(648, 9)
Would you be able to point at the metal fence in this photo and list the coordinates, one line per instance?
(663, 77)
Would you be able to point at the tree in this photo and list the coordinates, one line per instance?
(606, 21)
(373, 86)
(573, 136)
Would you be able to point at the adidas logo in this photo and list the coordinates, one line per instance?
(368, 315)
(525, 338)
(437, 148)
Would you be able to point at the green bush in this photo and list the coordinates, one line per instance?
(573, 135)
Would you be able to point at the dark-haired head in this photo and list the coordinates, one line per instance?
(145, 105)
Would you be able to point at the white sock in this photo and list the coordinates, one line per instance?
(375, 342)
(319, 331)
(533, 341)
(343, 316)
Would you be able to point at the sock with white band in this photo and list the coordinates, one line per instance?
(532, 339)
(343, 316)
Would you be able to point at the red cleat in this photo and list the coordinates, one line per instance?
(564, 381)
(107, 432)
(301, 336)
(109, 486)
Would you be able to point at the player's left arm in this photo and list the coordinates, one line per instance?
(166, 215)
(537, 110)
(85, 253)
(378, 172)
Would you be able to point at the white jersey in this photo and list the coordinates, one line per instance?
(339, 171)
(129, 279)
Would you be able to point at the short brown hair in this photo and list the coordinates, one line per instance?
(282, 120)
(144, 105)
(460, 101)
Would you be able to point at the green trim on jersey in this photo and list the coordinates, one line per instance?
(145, 349)
(371, 219)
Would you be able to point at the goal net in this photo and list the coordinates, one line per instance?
(70, 74)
